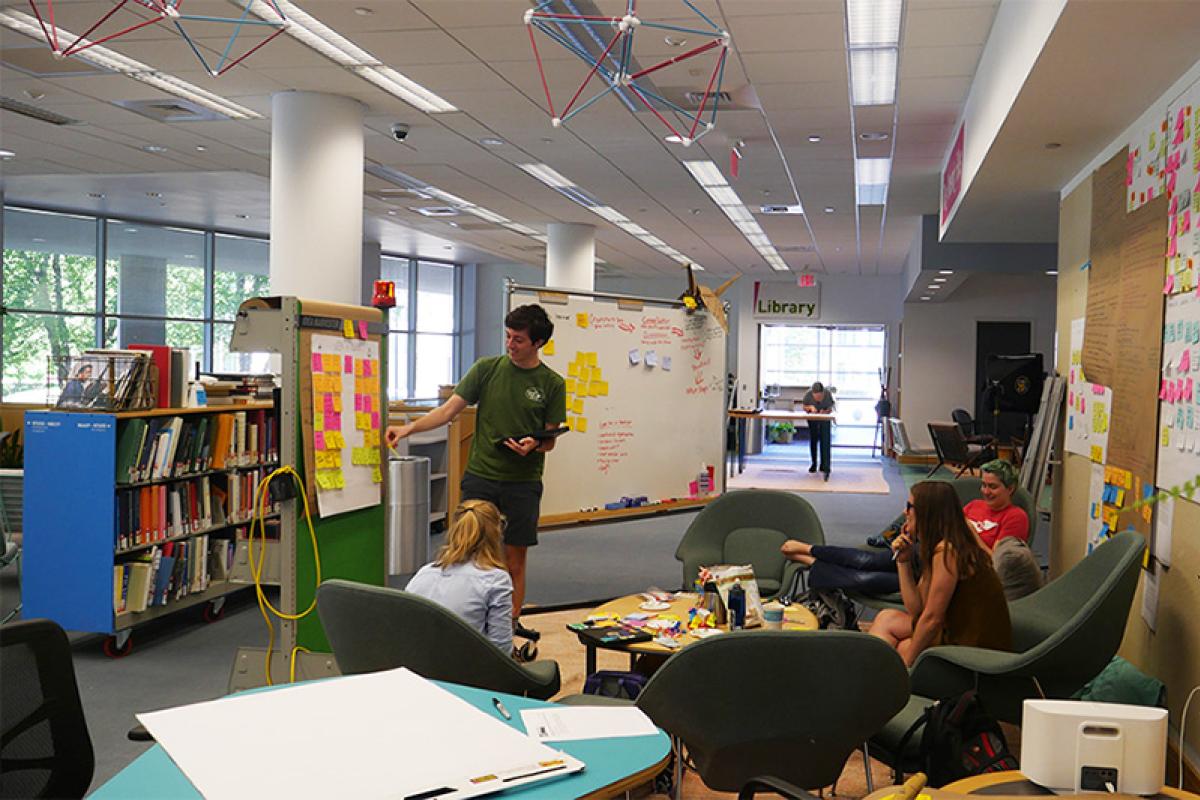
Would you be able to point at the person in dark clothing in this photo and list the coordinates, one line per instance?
(818, 400)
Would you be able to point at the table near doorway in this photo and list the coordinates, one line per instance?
(740, 418)
(795, 617)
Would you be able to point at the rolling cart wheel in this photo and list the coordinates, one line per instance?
(214, 611)
(118, 646)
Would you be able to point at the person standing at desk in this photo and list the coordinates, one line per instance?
(516, 394)
(818, 400)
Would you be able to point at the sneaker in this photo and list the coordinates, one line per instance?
(813, 468)
(525, 653)
(877, 540)
(525, 633)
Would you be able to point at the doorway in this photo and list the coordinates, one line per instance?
(999, 339)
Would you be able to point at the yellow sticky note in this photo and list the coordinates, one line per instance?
(597, 373)
(570, 386)
(601, 388)
(585, 376)
(376, 475)
(371, 438)
(580, 424)
(591, 359)
(318, 422)
(577, 406)
(1165, 439)
(347, 329)
(1120, 498)
(328, 459)
(573, 369)
(548, 348)
(581, 319)
(1146, 558)
(337, 402)
(331, 361)
(594, 388)
(1097, 453)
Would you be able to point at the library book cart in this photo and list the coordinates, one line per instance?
(133, 515)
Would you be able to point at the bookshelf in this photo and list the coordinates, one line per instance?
(131, 516)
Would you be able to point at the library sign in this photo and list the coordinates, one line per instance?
(786, 301)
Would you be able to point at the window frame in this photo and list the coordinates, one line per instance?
(411, 329)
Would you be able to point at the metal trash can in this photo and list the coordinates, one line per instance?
(407, 514)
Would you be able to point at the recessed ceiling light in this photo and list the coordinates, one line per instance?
(814, 138)
(32, 95)
(200, 148)
(829, 209)
(1053, 145)
(131, 230)
(674, 41)
(940, 280)
(97, 195)
(926, 297)
(1051, 272)
(154, 148)
(38, 239)
(933, 287)
(363, 11)
(491, 141)
(874, 136)
(945, 272)
(695, 212)
(392, 212)
(7, 155)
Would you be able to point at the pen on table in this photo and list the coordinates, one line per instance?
(500, 708)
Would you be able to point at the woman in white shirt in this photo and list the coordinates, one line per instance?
(469, 576)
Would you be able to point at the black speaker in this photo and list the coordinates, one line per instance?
(1014, 383)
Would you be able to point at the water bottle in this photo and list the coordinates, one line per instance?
(737, 607)
(712, 601)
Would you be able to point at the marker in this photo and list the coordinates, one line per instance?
(500, 708)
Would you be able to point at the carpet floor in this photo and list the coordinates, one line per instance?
(844, 479)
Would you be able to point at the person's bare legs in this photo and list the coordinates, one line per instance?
(798, 551)
(514, 557)
(892, 625)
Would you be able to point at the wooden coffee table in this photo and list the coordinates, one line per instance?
(795, 617)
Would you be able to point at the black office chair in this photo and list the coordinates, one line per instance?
(45, 749)
(954, 451)
(970, 428)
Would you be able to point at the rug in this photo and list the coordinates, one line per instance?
(796, 478)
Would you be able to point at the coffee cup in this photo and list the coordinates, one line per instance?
(773, 615)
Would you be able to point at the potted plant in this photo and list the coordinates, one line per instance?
(781, 432)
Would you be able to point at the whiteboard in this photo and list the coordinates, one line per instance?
(657, 417)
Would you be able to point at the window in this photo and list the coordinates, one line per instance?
(50, 292)
(846, 358)
(423, 327)
(241, 269)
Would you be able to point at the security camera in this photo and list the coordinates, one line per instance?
(399, 131)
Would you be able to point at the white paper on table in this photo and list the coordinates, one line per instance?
(580, 722)
(383, 735)
(1150, 596)
(1164, 521)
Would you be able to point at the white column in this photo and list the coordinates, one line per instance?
(316, 196)
(571, 256)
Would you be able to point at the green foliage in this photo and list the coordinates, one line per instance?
(776, 428)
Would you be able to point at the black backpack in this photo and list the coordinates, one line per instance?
(959, 740)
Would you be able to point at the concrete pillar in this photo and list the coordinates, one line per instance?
(571, 256)
(316, 196)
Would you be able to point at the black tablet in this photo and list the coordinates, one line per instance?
(541, 436)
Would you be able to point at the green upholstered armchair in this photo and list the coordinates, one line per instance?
(374, 628)
(748, 527)
(1064, 634)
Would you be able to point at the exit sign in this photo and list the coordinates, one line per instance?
(805, 279)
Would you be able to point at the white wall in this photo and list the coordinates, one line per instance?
(939, 342)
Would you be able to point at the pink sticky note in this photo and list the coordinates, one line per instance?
(1128, 176)
(348, 364)
(316, 358)
(1196, 188)
(1097, 389)
(362, 329)
(367, 368)
(368, 406)
(1171, 182)
(1070, 399)
(333, 421)
(358, 403)
(374, 420)
(319, 440)
(1185, 361)
(1172, 248)
(1185, 222)
(1173, 228)
(1169, 284)
(1162, 389)
(1187, 390)
(1082, 404)
(328, 403)
(1174, 205)
(1178, 136)
(1178, 389)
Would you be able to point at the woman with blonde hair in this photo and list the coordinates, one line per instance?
(469, 575)
(957, 599)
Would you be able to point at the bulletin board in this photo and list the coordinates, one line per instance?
(645, 400)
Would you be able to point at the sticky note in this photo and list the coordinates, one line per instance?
(368, 368)
(1097, 453)
(316, 362)
(337, 402)
(651, 358)
(331, 362)
(328, 459)
(358, 402)
(1097, 389)
(329, 479)
(591, 359)
(548, 348)
(333, 421)
(577, 406)
(601, 388)
(348, 328)
(1187, 390)
(594, 388)
(573, 370)
(570, 385)
(375, 421)
(327, 403)
(581, 319)
(376, 475)
(362, 329)
(318, 440)
(635, 357)
(1165, 439)
(318, 422)
(580, 424)
(1162, 390)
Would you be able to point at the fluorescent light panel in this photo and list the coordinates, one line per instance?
(104, 58)
(871, 177)
(874, 22)
(873, 76)
(709, 176)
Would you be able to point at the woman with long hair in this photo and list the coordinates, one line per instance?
(469, 576)
(958, 599)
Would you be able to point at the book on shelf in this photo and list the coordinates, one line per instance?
(158, 448)
(160, 354)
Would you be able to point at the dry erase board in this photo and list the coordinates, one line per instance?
(645, 401)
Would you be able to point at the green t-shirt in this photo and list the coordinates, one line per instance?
(512, 402)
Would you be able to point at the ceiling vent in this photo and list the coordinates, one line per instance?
(781, 209)
(173, 110)
(742, 98)
(796, 248)
(34, 112)
(694, 99)
(530, 248)
(436, 211)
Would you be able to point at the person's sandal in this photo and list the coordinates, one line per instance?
(525, 633)
(525, 653)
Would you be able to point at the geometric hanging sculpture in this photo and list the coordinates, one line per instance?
(159, 10)
(614, 67)
(227, 61)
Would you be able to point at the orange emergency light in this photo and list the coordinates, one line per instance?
(385, 294)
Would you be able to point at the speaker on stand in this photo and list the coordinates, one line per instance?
(1014, 385)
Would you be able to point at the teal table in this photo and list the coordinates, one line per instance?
(613, 765)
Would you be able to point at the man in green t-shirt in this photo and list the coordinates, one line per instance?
(517, 394)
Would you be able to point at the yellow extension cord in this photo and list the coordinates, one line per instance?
(264, 605)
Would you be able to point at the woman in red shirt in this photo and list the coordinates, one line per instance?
(994, 517)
